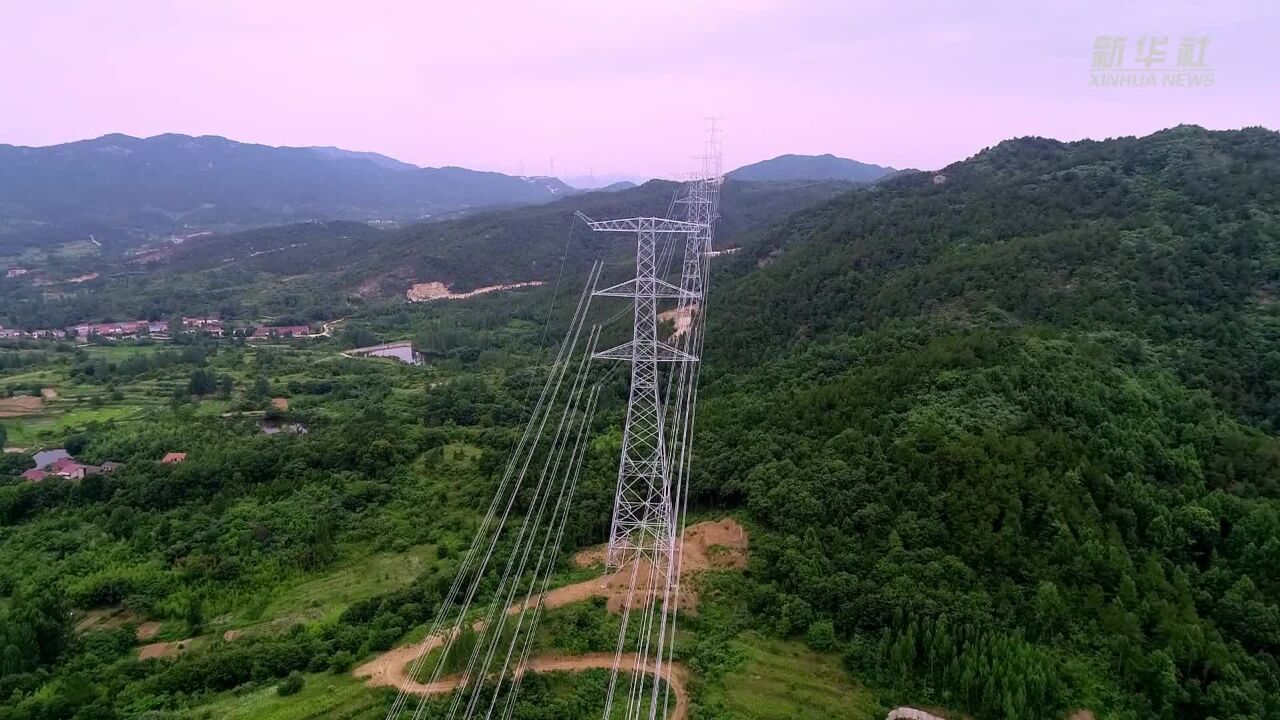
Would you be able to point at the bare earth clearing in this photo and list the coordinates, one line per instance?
(19, 406)
(908, 713)
(147, 630)
(423, 292)
(706, 546)
(163, 649)
(682, 317)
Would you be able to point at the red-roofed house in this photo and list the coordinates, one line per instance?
(34, 475)
(62, 464)
(74, 470)
(173, 458)
(119, 329)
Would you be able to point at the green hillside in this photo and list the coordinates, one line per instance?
(1011, 427)
(315, 271)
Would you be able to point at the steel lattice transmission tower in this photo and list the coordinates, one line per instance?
(645, 513)
(643, 525)
(701, 202)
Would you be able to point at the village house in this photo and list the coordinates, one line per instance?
(58, 462)
(121, 329)
(73, 469)
(269, 427)
(14, 272)
(173, 458)
(282, 331)
(129, 328)
(208, 326)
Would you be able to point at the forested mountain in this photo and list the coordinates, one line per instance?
(329, 265)
(122, 189)
(811, 167)
(1010, 427)
(1003, 437)
(620, 185)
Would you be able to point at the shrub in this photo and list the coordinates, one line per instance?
(291, 685)
(341, 662)
(821, 635)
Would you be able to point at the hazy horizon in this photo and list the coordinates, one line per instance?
(581, 89)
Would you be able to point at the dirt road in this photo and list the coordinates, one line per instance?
(391, 668)
(708, 545)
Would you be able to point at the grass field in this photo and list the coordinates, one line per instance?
(324, 598)
(331, 697)
(31, 430)
(79, 404)
(787, 681)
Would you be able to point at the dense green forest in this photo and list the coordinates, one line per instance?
(1011, 430)
(1003, 436)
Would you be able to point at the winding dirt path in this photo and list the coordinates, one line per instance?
(708, 545)
(390, 672)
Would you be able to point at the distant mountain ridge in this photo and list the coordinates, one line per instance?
(328, 264)
(811, 167)
(122, 188)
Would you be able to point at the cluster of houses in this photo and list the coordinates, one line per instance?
(59, 463)
(138, 328)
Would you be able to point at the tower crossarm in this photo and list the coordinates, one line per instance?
(641, 224)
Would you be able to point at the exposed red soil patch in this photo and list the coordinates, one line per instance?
(681, 317)
(163, 649)
(910, 713)
(425, 292)
(19, 406)
(147, 631)
(707, 546)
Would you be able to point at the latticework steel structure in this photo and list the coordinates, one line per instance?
(523, 528)
(643, 526)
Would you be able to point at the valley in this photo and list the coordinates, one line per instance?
(1003, 447)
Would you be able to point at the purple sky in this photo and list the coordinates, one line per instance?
(617, 86)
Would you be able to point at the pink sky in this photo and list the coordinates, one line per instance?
(616, 86)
